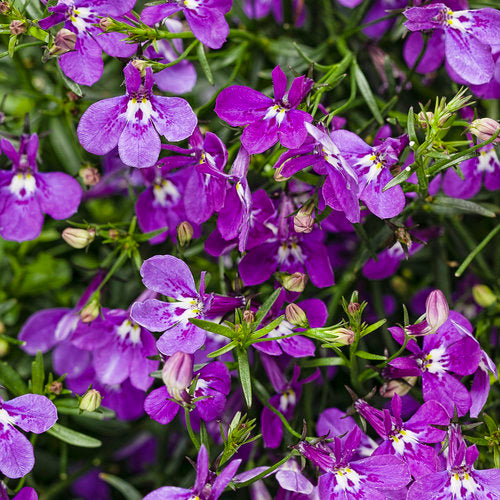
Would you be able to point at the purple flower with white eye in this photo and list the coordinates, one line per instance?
(469, 36)
(208, 400)
(31, 413)
(407, 439)
(84, 65)
(460, 481)
(206, 184)
(27, 194)
(171, 276)
(372, 165)
(269, 120)
(124, 399)
(443, 356)
(207, 486)
(135, 121)
(367, 478)
(205, 18)
(179, 78)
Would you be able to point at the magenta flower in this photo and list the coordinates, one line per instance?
(135, 122)
(27, 194)
(269, 120)
(205, 18)
(84, 65)
(25, 493)
(31, 413)
(436, 314)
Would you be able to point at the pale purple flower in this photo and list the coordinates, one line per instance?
(84, 65)
(31, 413)
(269, 120)
(436, 313)
(135, 121)
(27, 194)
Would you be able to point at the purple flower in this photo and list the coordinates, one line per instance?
(135, 121)
(460, 481)
(257, 9)
(84, 65)
(406, 439)
(205, 18)
(468, 38)
(436, 314)
(372, 165)
(207, 486)
(31, 413)
(170, 276)
(379, 10)
(27, 194)
(208, 400)
(367, 478)
(269, 120)
(25, 493)
(124, 399)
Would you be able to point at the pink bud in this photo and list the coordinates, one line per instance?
(177, 374)
(437, 310)
(295, 314)
(295, 282)
(485, 128)
(17, 27)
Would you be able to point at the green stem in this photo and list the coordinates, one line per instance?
(265, 472)
(190, 429)
(22, 46)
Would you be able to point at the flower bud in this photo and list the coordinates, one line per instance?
(344, 336)
(4, 348)
(91, 400)
(64, 42)
(277, 175)
(399, 387)
(177, 374)
(295, 282)
(4, 7)
(56, 387)
(485, 128)
(90, 176)
(483, 295)
(17, 27)
(436, 309)
(78, 238)
(90, 312)
(353, 307)
(248, 317)
(140, 65)
(303, 223)
(113, 234)
(403, 236)
(184, 233)
(296, 315)
(105, 23)
(425, 117)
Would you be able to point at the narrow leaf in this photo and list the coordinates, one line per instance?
(244, 371)
(73, 437)
(369, 355)
(223, 350)
(37, 374)
(443, 204)
(269, 328)
(266, 306)
(202, 59)
(373, 327)
(212, 327)
(11, 380)
(126, 489)
(313, 363)
(367, 93)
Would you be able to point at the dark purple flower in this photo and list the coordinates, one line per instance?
(269, 120)
(84, 65)
(124, 399)
(25, 493)
(27, 194)
(205, 18)
(91, 487)
(257, 9)
(135, 121)
(379, 10)
(31, 413)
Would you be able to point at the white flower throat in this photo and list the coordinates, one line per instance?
(23, 185)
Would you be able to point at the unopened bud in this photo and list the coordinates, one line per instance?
(140, 65)
(403, 236)
(353, 307)
(483, 295)
(4, 348)
(295, 282)
(78, 238)
(91, 400)
(344, 336)
(56, 387)
(436, 309)
(64, 42)
(4, 7)
(303, 223)
(105, 23)
(278, 177)
(90, 175)
(17, 27)
(485, 128)
(113, 234)
(90, 312)
(424, 118)
(177, 374)
(399, 387)
(296, 315)
(184, 233)
(248, 317)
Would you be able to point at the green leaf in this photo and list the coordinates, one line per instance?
(373, 327)
(36, 32)
(150, 235)
(313, 363)
(268, 328)
(202, 59)
(490, 423)
(410, 125)
(367, 93)
(212, 327)
(11, 380)
(266, 306)
(443, 204)
(223, 350)
(126, 489)
(73, 437)
(369, 355)
(244, 371)
(70, 84)
(12, 45)
(400, 178)
(37, 374)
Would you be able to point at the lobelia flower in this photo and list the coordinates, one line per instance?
(436, 314)
(179, 78)
(257, 9)
(368, 478)
(443, 356)
(84, 65)
(206, 181)
(135, 121)
(124, 399)
(269, 120)
(460, 481)
(207, 486)
(372, 165)
(205, 18)
(31, 413)
(27, 194)
(406, 439)
(170, 276)
(25, 493)
(468, 38)
(213, 384)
